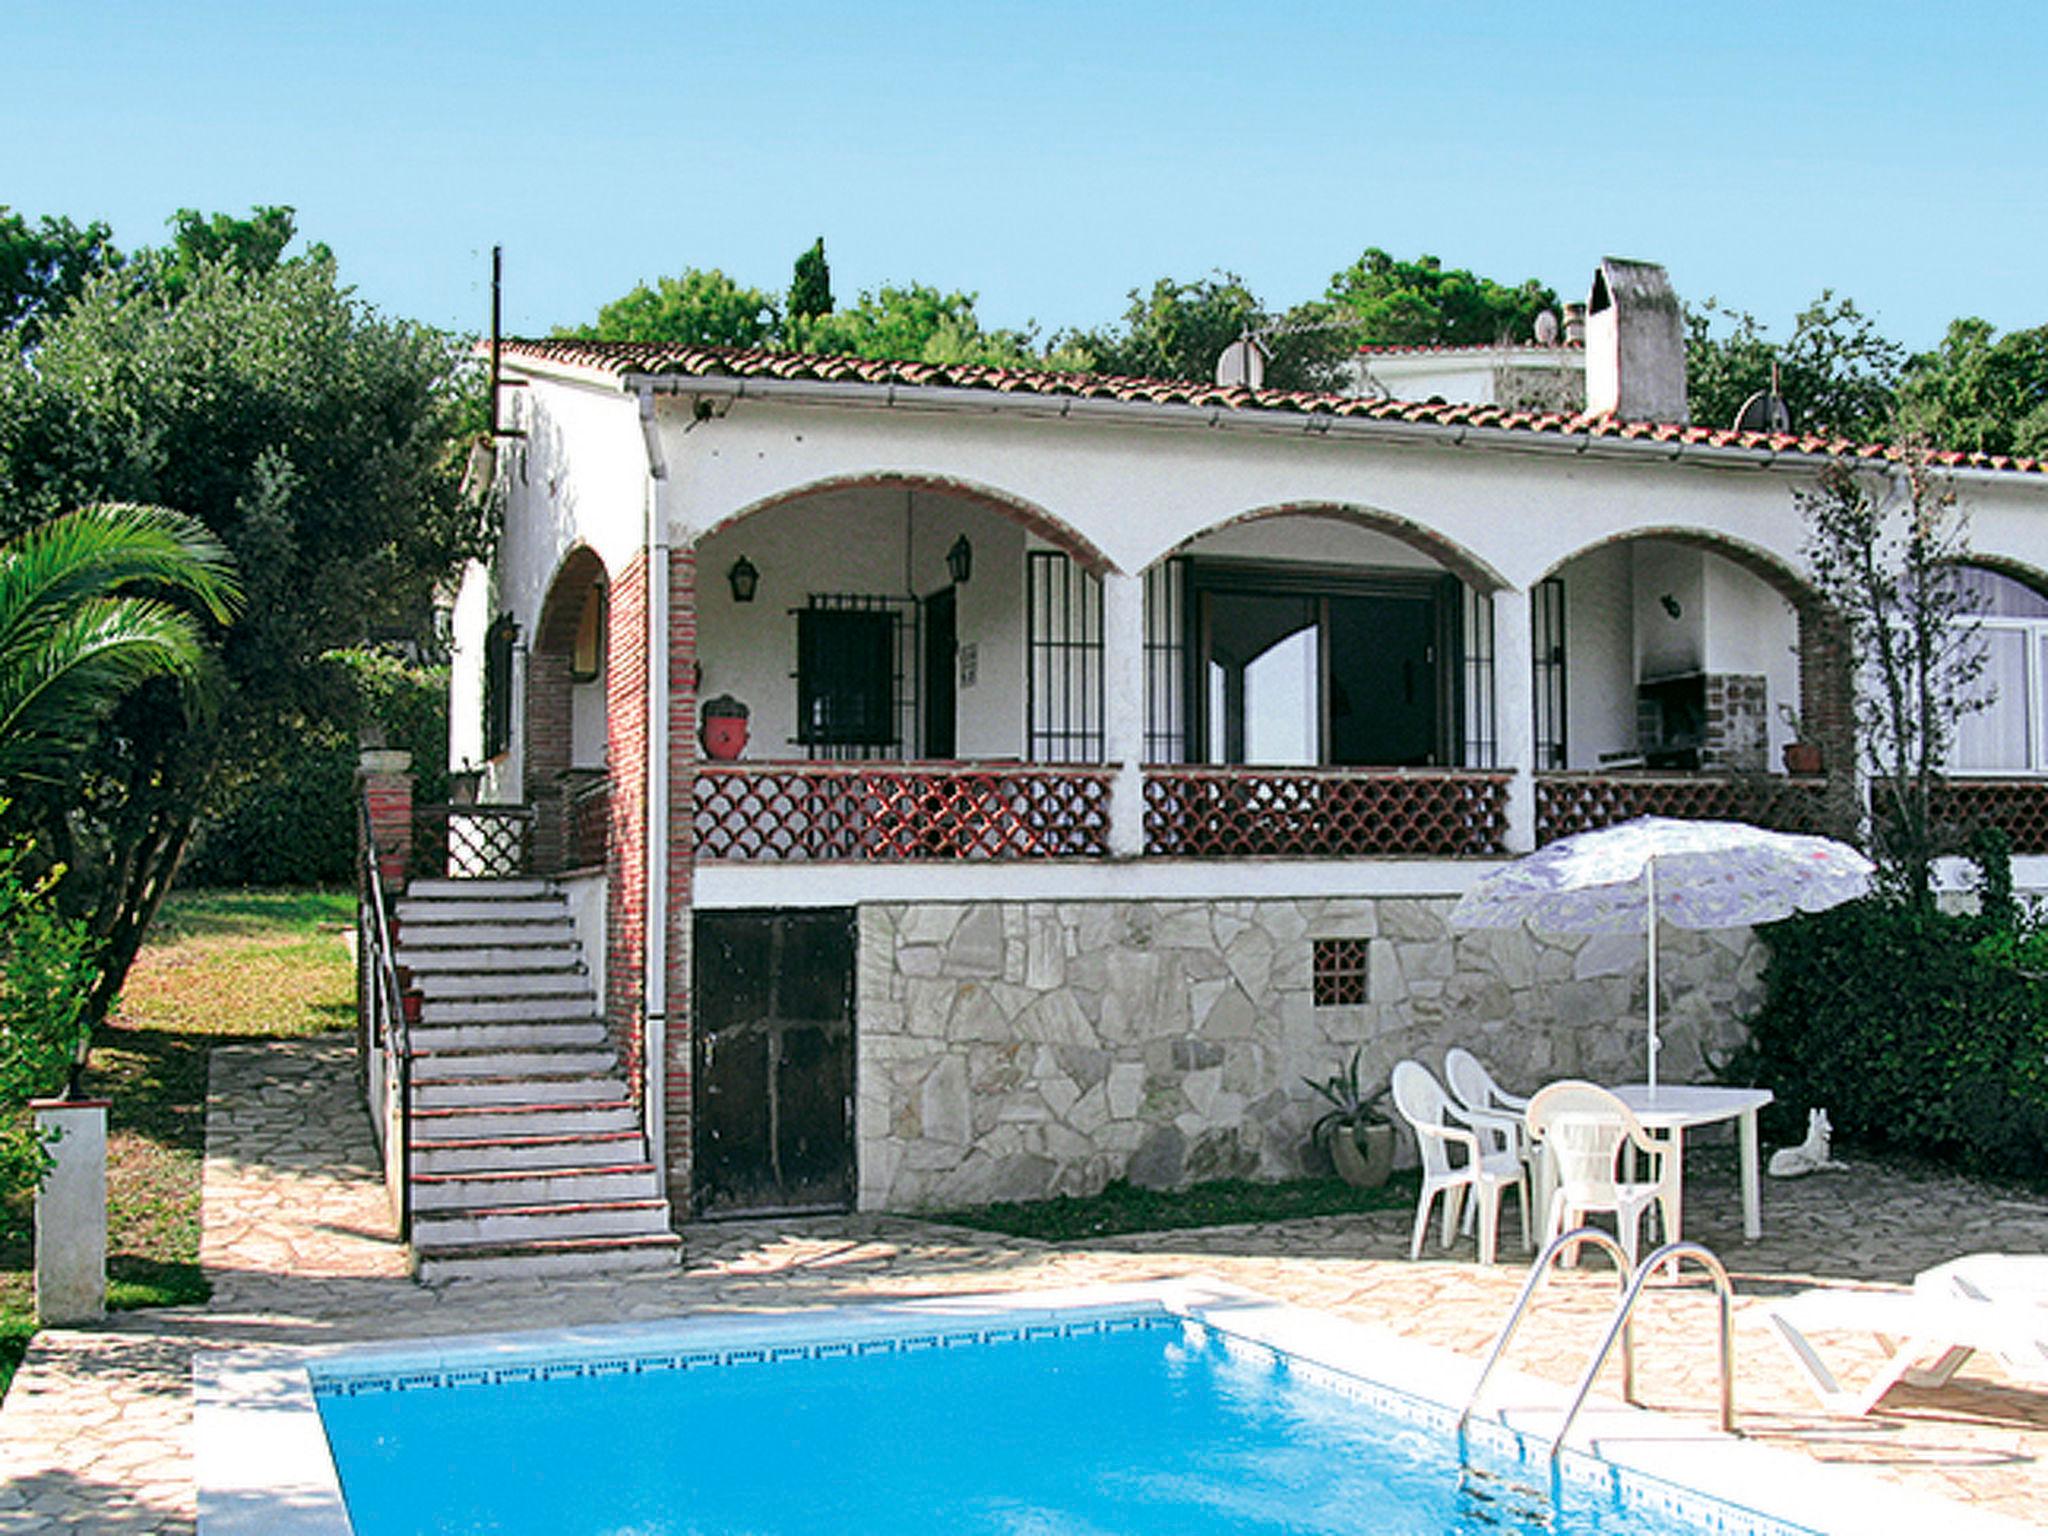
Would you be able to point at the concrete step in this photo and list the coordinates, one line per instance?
(526, 1223)
(593, 1117)
(418, 937)
(478, 890)
(474, 1093)
(553, 1061)
(436, 1038)
(528, 910)
(552, 1257)
(477, 960)
(509, 1010)
(533, 1186)
(472, 985)
(437, 1153)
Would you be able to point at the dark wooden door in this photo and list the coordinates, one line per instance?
(941, 666)
(772, 1087)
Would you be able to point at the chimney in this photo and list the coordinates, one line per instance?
(1575, 325)
(1635, 344)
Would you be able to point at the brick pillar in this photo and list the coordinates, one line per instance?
(548, 730)
(625, 684)
(385, 779)
(682, 853)
(1827, 714)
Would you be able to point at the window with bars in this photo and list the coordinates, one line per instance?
(1166, 662)
(500, 640)
(1482, 736)
(1546, 616)
(853, 688)
(1064, 664)
(1339, 970)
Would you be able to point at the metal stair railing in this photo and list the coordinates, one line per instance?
(1670, 1254)
(1538, 1273)
(385, 1034)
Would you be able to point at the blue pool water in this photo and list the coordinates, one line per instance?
(1130, 1425)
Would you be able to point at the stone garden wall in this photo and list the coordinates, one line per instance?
(1013, 1050)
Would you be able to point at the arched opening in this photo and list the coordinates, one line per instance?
(900, 618)
(1320, 636)
(2007, 618)
(566, 727)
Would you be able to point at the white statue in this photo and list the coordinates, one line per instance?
(1811, 1155)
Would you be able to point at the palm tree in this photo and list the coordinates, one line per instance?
(93, 604)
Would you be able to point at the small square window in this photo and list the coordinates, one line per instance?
(1339, 972)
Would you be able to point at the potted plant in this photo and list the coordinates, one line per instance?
(1802, 758)
(1354, 1130)
(725, 728)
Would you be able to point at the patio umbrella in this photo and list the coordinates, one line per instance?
(1695, 874)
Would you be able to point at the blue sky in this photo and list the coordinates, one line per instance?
(1050, 157)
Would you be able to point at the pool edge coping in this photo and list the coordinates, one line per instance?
(263, 1467)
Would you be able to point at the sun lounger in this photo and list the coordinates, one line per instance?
(1990, 1302)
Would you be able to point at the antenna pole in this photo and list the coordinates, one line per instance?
(497, 329)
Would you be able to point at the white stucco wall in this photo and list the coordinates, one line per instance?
(1599, 666)
(469, 619)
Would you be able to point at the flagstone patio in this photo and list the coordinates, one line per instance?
(95, 1434)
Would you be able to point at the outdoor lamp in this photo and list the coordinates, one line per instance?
(960, 560)
(744, 579)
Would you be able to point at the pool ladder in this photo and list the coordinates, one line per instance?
(1620, 1328)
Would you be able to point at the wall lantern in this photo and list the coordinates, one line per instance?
(744, 579)
(1672, 606)
(960, 560)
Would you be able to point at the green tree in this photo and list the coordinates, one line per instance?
(702, 308)
(912, 323)
(1178, 330)
(1885, 559)
(315, 438)
(198, 241)
(93, 605)
(1981, 392)
(810, 286)
(47, 972)
(44, 266)
(1836, 371)
(1419, 303)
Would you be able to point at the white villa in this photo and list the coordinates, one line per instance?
(1113, 753)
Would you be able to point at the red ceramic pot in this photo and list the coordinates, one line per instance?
(725, 737)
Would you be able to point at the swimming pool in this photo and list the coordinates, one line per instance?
(1182, 1409)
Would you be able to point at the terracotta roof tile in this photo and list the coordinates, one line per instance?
(621, 359)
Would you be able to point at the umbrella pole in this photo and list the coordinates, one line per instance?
(1650, 918)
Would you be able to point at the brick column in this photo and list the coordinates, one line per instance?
(385, 781)
(625, 685)
(682, 854)
(1827, 715)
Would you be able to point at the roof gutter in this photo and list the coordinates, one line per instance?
(950, 400)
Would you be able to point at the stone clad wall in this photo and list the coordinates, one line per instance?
(1012, 1050)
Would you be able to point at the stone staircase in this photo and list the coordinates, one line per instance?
(528, 1156)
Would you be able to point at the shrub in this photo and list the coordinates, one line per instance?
(47, 971)
(1919, 1030)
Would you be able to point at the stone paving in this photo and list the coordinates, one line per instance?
(95, 1434)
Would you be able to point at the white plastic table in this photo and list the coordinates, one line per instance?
(1671, 1109)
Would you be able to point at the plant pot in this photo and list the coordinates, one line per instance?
(1803, 758)
(1364, 1156)
(725, 737)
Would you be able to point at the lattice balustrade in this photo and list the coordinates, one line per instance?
(471, 842)
(2017, 807)
(880, 811)
(1579, 802)
(1328, 814)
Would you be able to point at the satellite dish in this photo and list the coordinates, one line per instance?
(1546, 328)
(1243, 363)
(1764, 411)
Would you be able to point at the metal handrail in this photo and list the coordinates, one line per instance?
(387, 1028)
(1670, 1253)
(1538, 1272)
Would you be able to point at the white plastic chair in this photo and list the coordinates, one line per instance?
(1486, 1168)
(1583, 1130)
(1484, 1103)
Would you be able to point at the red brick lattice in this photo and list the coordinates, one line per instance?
(1215, 813)
(878, 811)
(1339, 972)
(471, 842)
(1579, 802)
(2017, 807)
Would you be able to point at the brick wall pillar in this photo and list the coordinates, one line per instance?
(1827, 714)
(548, 727)
(625, 961)
(385, 780)
(682, 853)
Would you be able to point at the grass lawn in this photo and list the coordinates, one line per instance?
(219, 966)
(1123, 1208)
